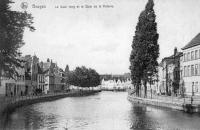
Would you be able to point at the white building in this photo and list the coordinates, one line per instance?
(190, 67)
(41, 80)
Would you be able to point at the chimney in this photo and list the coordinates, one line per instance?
(41, 64)
(175, 51)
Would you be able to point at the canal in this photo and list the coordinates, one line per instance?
(102, 111)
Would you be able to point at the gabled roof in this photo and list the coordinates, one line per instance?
(194, 42)
(178, 54)
(171, 58)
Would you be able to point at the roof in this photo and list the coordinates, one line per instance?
(194, 42)
(170, 59)
(178, 54)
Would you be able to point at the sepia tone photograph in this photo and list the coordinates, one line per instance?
(99, 65)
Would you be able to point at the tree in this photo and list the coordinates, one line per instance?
(84, 77)
(145, 48)
(12, 26)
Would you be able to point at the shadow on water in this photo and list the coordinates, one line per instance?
(27, 119)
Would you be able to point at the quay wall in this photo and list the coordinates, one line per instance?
(189, 108)
(9, 105)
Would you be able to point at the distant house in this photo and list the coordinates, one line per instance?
(31, 73)
(40, 79)
(169, 73)
(190, 66)
(49, 76)
(54, 77)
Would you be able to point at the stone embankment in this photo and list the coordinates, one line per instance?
(183, 104)
(9, 104)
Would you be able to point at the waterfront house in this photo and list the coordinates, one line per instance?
(13, 87)
(169, 74)
(191, 66)
(54, 77)
(31, 73)
(25, 83)
(49, 76)
(40, 79)
(58, 77)
(63, 81)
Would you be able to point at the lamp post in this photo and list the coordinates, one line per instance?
(192, 88)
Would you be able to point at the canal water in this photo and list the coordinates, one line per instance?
(102, 111)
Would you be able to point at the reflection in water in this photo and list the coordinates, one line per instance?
(140, 119)
(103, 111)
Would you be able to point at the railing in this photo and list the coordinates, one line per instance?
(5, 101)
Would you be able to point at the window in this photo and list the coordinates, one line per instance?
(196, 54)
(184, 56)
(196, 86)
(199, 53)
(192, 55)
(192, 70)
(188, 56)
(188, 71)
(185, 70)
(181, 73)
(196, 69)
(163, 74)
(176, 74)
(199, 70)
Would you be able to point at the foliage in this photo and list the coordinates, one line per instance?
(38, 91)
(145, 49)
(83, 77)
(12, 26)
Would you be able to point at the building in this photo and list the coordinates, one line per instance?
(63, 76)
(13, 87)
(35, 77)
(54, 77)
(41, 79)
(169, 74)
(58, 78)
(31, 73)
(49, 76)
(190, 67)
(26, 82)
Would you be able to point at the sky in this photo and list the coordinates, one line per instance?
(101, 38)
